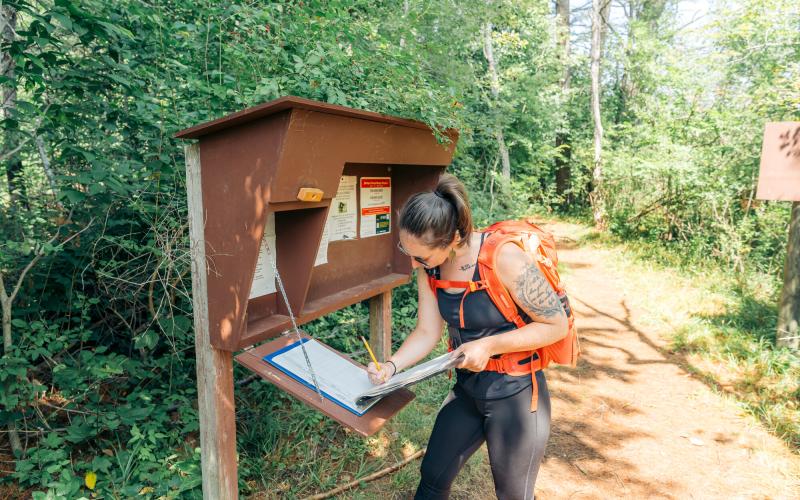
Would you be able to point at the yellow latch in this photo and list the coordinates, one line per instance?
(309, 194)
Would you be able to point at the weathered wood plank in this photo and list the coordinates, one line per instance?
(789, 309)
(380, 325)
(214, 367)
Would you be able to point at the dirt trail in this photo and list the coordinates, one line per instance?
(631, 422)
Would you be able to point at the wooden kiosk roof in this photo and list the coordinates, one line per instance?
(291, 102)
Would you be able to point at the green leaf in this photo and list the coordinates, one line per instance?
(72, 195)
(146, 340)
(63, 19)
(101, 463)
(79, 432)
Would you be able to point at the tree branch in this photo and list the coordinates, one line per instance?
(40, 254)
(8, 154)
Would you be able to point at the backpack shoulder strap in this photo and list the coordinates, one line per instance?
(487, 260)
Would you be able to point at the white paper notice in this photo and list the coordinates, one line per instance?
(264, 277)
(343, 214)
(376, 206)
(322, 251)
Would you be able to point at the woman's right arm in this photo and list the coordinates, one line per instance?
(421, 340)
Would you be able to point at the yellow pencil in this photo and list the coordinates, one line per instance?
(370, 352)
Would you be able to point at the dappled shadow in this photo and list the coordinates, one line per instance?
(588, 441)
(632, 359)
(587, 369)
(745, 331)
(575, 442)
(564, 243)
(626, 322)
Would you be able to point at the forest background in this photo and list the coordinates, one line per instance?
(98, 386)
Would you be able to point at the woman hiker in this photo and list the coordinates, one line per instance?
(485, 404)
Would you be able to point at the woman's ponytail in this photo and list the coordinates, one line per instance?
(435, 216)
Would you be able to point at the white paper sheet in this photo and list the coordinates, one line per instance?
(413, 375)
(322, 251)
(264, 277)
(343, 214)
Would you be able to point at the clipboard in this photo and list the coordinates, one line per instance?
(366, 424)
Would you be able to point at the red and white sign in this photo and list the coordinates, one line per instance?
(376, 206)
(376, 182)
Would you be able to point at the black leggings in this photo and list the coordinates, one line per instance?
(515, 437)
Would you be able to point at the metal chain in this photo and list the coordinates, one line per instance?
(294, 322)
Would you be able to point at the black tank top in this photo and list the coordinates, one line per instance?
(481, 319)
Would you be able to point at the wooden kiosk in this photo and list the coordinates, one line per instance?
(319, 185)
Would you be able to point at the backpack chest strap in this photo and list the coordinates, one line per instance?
(470, 286)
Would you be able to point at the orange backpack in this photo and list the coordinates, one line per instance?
(541, 245)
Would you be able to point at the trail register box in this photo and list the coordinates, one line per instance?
(312, 189)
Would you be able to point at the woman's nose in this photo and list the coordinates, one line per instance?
(415, 264)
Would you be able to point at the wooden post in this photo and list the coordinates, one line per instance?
(789, 309)
(380, 325)
(214, 367)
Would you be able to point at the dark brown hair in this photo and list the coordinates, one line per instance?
(435, 216)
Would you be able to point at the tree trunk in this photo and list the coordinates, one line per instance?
(641, 15)
(16, 186)
(563, 172)
(789, 309)
(5, 307)
(495, 81)
(626, 84)
(8, 24)
(600, 10)
(405, 15)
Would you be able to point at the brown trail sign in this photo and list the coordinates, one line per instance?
(779, 179)
(315, 186)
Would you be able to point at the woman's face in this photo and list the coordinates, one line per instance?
(420, 253)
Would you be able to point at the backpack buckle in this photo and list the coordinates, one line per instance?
(474, 286)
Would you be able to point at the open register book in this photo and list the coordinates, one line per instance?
(410, 376)
(344, 382)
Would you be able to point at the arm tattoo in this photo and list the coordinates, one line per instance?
(536, 294)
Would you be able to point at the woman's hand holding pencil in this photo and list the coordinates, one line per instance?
(378, 373)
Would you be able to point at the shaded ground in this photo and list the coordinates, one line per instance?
(631, 421)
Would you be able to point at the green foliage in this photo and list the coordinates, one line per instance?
(682, 162)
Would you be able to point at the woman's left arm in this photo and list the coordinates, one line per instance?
(535, 296)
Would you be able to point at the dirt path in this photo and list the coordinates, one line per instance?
(630, 421)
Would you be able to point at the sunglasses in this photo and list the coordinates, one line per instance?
(422, 261)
